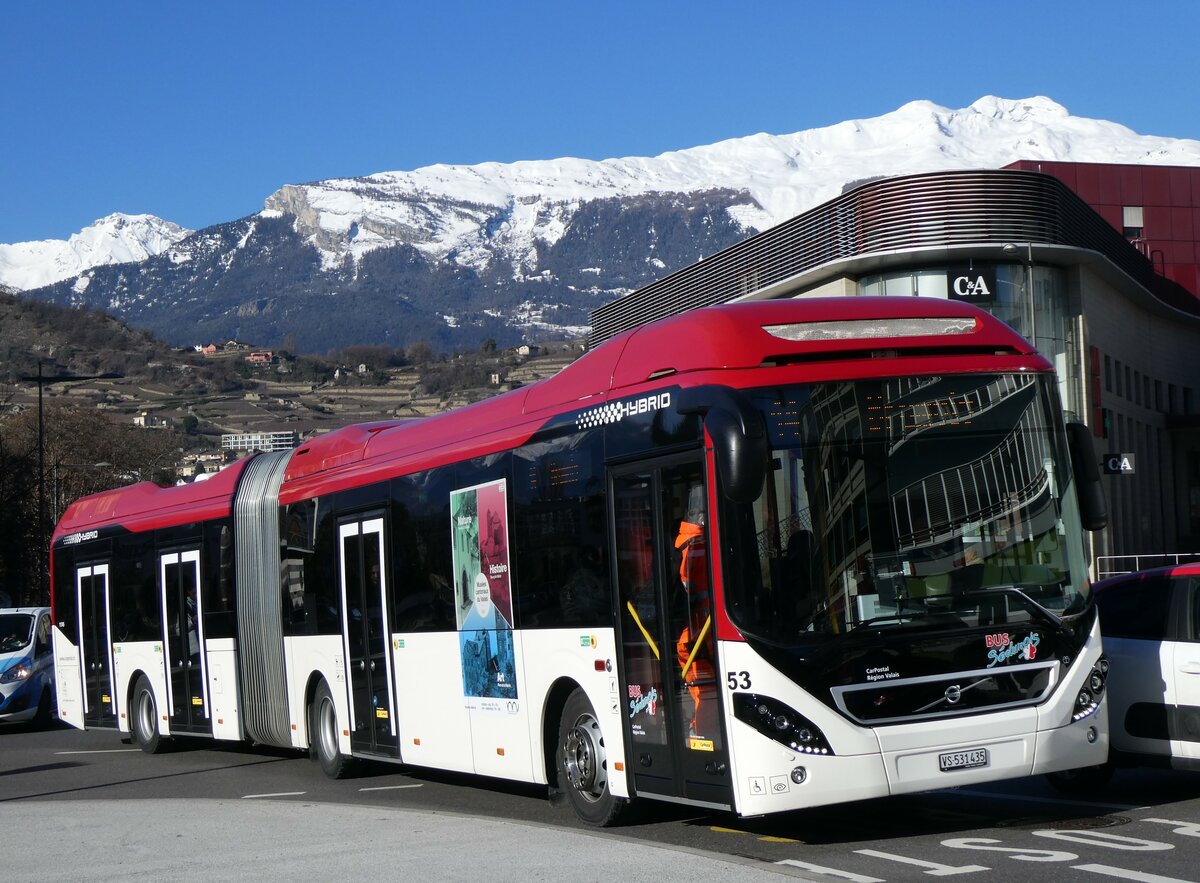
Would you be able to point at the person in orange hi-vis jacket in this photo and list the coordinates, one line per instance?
(694, 647)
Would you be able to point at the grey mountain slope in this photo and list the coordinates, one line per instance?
(256, 279)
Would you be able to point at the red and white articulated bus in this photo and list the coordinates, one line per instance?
(754, 557)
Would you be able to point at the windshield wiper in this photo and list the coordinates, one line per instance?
(1048, 615)
(880, 620)
(929, 619)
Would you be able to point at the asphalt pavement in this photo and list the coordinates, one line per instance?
(281, 839)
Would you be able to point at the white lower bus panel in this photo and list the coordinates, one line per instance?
(866, 762)
(224, 688)
(306, 658)
(588, 658)
(131, 660)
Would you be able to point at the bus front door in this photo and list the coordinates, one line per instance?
(183, 642)
(95, 646)
(367, 636)
(677, 748)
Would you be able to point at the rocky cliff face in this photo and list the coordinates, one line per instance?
(270, 276)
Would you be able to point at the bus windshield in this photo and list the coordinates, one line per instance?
(906, 504)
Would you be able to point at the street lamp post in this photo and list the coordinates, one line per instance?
(1013, 250)
(44, 551)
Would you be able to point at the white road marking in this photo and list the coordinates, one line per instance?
(832, 872)
(276, 794)
(934, 868)
(390, 787)
(1126, 874)
(100, 751)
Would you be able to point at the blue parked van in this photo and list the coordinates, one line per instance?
(26, 665)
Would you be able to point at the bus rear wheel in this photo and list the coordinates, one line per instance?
(144, 718)
(582, 762)
(323, 734)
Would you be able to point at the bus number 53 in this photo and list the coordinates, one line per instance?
(738, 680)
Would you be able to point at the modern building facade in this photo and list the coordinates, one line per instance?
(265, 442)
(1112, 304)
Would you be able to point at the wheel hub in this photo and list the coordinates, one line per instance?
(584, 758)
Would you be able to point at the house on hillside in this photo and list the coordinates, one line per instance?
(146, 420)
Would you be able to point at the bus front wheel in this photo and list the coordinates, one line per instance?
(144, 719)
(582, 762)
(323, 734)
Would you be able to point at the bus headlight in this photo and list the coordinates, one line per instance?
(1090, 695)
(780, 723)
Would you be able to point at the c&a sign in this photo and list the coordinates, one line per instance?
(973, 284)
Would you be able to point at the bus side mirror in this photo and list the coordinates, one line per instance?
(1093, 511)
(738, 435)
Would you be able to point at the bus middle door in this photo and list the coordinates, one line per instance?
(668, 642)
(367, 637)
(183, 642)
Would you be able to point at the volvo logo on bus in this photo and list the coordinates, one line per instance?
(953, 694)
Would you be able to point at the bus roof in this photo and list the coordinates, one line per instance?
(147, 501)
(742, 335)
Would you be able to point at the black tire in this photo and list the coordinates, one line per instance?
(41, 720)
(143, 719)
(1088, 781)
(323, 730)
(582, 763)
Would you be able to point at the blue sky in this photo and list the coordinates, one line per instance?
(196, 112)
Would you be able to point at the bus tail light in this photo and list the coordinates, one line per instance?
(780, 722)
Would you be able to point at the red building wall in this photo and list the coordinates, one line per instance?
(1170, 201)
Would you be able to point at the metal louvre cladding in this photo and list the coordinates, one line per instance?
(894, 214)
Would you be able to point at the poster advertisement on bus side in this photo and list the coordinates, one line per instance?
(483, 593)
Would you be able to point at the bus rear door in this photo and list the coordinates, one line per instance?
(672, 720)
(95, 646)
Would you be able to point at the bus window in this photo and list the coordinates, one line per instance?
(559, 536)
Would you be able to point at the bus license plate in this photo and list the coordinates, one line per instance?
(963, 760)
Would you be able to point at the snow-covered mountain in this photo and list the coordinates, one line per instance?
(454, 255)
(116, 239)
(480, 212)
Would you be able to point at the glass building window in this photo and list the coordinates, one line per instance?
(909, 283)
(1132, 221)
(1043, 316)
